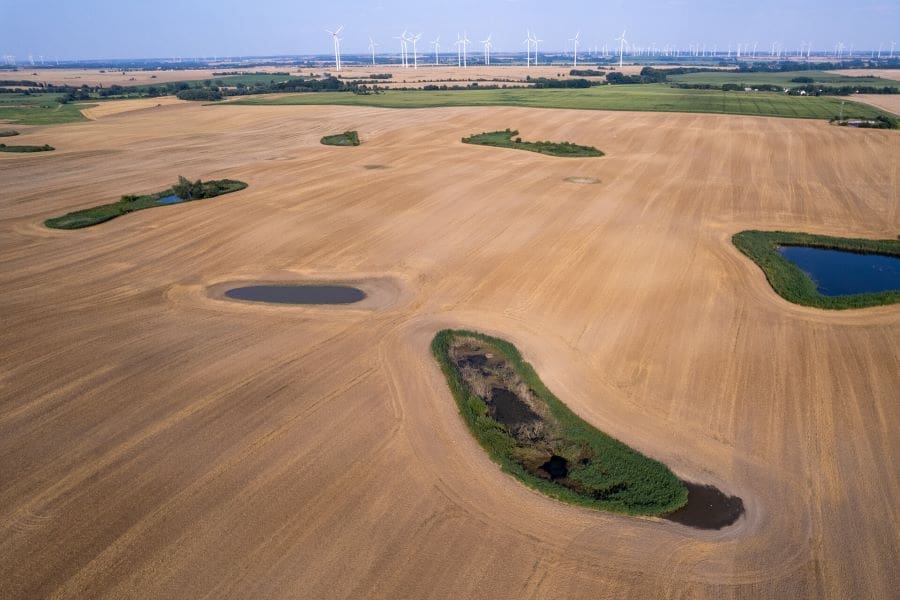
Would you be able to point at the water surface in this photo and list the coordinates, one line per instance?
(170, 200)
(842, 273)
(707, 508)
(298, 294)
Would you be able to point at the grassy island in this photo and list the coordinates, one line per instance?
(348, 138)
(183, 191)
(504, 139)
(793, 284)
(533, 436)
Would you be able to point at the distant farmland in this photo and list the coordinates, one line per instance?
(652, 98)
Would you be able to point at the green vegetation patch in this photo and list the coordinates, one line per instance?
(504, 139)
(793, 284)
(8, 132)
(537, 439)
(780, 78)
(185, 191)
(39, 109)
(44, 148)
(348, 138)
(649, 97)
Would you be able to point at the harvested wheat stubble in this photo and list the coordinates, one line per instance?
(153, 438)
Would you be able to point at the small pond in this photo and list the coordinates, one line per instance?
(298, 294)
(842, 273)
(170, 200)
(707, 508)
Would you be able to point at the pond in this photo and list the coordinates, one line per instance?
(707, 508)
(842, 273)
(298, 294)
(170, 200)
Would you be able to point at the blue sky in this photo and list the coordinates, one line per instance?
(184, 28)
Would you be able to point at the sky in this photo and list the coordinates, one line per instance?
(87, 29)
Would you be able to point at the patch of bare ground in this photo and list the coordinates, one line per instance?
(888, 102)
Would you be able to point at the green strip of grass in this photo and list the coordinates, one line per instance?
(44, 148)
(794, 285)
(649, 97)
(348, 138)
(8, 132)
(39, 109)
(504, 139)
(128, 204)
(640, 485)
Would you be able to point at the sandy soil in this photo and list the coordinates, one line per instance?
(884, 73)
(889, 102)
(156, 441)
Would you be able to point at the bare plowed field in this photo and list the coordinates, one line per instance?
(159, 441)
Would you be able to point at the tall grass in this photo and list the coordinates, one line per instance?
(630, 482)
(504, 139)
(348, 138)
(80, 219)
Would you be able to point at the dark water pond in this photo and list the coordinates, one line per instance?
(507, 408)
(170, 200)
(557, 467)
(708, 508)
(298, 294)
(841, 273)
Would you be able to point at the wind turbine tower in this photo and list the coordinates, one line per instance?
(372, 46)
(465, 46)
(622, 42)
(487, 49)
(415, 40)
(437, 49)
(337, 46)
(403, 47)
(574, 40)
(527, 43)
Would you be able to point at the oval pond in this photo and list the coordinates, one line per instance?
(297, 294)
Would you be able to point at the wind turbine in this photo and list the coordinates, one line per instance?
(487, 49)
(402, 38)
(622, 42)
(337, 46)
(415, 40)
(536, 41)
(372, 46)
(575, 41)
(465, 44)
(459, 44)
(437, 48)
(893, 45)
(527, 43)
